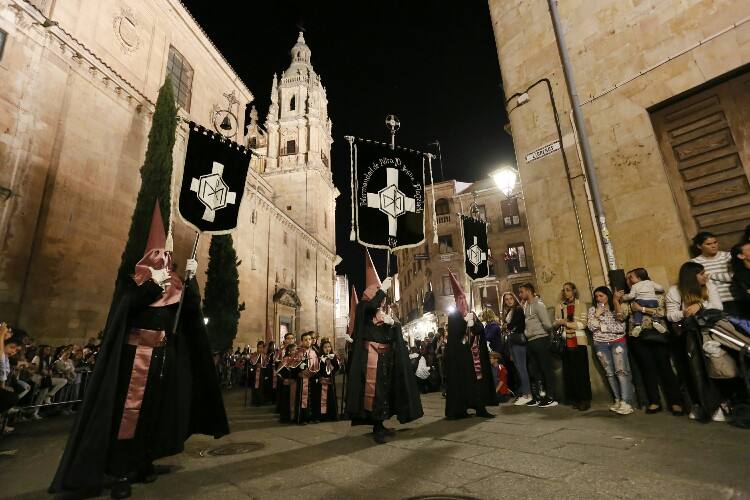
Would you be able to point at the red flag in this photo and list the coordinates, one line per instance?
(462, 306)
(353, 301)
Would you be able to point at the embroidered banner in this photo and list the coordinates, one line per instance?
(213, 181)
(388, 194)
(476, 248)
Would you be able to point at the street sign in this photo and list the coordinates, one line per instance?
(421, 256)
(446, 257)
(543, 151)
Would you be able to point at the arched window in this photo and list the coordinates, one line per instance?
(293, 103)
(442, 207)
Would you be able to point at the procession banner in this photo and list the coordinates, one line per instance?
(213, 182)
(388, 195)
(476, 248)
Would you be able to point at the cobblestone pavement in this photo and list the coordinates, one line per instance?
(523, 453)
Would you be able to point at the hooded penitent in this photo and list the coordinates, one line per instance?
(462, 306)
(156, 256)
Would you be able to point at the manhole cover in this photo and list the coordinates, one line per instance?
(231, 449)
(442, 497)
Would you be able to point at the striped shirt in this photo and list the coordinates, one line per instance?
(719, 270)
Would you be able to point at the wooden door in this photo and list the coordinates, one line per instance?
(705, 143)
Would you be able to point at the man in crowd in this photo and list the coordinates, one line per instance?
(8, 349)
(538, 328)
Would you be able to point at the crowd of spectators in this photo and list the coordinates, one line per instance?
(37, 380)
(649, 341)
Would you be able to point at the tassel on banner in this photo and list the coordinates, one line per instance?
(352, 234)
(434, 213)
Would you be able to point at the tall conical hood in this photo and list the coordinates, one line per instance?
(371, 274)
(462, 306)
(353, 301)
(157, 236)
(372, 280)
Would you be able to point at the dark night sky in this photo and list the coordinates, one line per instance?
(430, 62)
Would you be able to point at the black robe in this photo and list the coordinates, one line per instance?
(182, 394)
(326, 379)
(256, 374)
(396, 391)
(463, 390)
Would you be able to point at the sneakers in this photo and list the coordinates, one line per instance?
(719, 416)
(615, 406)
(659, 327)
(522, 400)
(636, 331)
(547, 403)
(533, 402)
(8, 429)
(624, 409)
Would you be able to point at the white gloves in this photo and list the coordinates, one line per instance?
(712, 349)
(160, 277)
(388, 319)
(469, 318)
(386, 284)
(348, 338)
(191, 266)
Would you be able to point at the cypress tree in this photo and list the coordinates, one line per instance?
(222, 293)
(156, 179)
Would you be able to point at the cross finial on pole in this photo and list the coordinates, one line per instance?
(391, 121)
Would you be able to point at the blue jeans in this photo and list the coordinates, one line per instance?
(638, 315)
(519, 358)
(613, 357)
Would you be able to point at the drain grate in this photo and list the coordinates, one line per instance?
(442, 497)
(232, 449)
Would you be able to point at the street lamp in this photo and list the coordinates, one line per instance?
(505, 179)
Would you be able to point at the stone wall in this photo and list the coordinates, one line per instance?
(75, 111)
(627, 57)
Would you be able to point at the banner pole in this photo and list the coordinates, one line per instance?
(188, 277)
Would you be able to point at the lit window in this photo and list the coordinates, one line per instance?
(515, 258)
(511, 216)
(181, 74)
(445, 242)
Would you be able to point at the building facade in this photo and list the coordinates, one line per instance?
(425, 269)
(78, 82)
(665, 93)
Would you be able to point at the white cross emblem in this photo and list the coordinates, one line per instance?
(391, 201)
(213, 192)
(475, 255)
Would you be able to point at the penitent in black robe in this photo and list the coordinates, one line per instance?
(396, 391)
(463, 389)
(181, 398)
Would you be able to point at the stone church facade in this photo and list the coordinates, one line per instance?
(78, 83)
(665, 93)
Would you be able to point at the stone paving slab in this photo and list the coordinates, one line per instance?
(530, 453)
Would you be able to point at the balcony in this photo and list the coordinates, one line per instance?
(444, 219)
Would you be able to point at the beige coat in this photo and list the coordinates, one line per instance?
(575, 328)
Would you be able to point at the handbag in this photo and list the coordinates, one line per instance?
(651, 335)
(517, 337)
(557, 342)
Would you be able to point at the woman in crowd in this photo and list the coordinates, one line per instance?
(607, 323)
(515, 323)
(651, 350)
(717, 265)
(571, 315)
(48, 385)
(693, 292)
